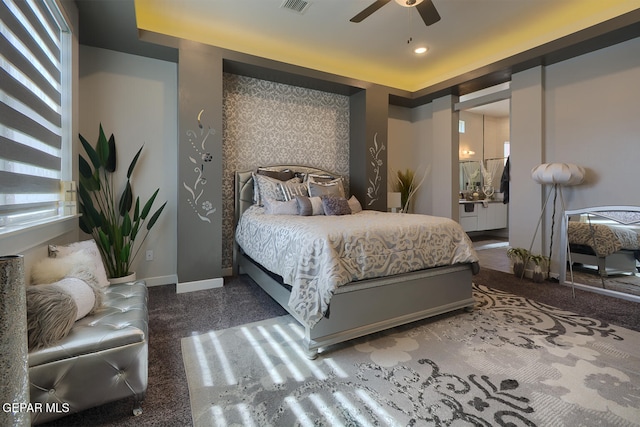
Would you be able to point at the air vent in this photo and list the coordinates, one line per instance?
(298, 6)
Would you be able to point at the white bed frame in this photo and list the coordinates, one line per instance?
(368, 306)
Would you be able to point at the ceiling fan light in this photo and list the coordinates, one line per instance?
(409, 3)
(420, 50)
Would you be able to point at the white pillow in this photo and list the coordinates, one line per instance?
(81, 292)
(275, 207)
(355, 205)
(88, 247)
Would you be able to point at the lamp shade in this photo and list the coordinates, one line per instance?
(558, 173)
(394, 200)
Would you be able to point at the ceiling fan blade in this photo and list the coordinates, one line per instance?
(369, 10)
(428, 12)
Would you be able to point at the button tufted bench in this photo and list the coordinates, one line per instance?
(103, 359)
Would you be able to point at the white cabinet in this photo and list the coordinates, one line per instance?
(491, 217)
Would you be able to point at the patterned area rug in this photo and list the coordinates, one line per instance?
(512, 361)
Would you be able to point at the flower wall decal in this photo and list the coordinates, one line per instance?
(198, 140)
(376, 162)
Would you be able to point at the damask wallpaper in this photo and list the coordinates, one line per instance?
(266, 123)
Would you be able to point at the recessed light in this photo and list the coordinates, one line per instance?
(420, 50)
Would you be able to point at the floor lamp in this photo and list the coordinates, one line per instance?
(559, 175)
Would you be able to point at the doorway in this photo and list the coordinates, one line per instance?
(484, 147)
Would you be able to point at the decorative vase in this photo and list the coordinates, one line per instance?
(518, 268)
(14, 364)
(131, 277)
(538, 274)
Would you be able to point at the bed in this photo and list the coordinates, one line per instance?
(319, 269)
(605, 237)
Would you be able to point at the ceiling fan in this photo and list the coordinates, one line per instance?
(427, 10)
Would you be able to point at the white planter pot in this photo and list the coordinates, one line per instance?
(124, 279)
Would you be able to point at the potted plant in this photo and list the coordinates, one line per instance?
(109, 218)
(519, 258)
(407, 184)
(539, 263)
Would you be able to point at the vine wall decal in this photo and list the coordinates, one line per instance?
(377, 163)
(198, 140)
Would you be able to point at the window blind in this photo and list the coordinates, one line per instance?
(31, 109)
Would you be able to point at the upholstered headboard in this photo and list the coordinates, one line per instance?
(244, 185)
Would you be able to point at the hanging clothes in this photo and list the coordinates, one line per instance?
(504, 182)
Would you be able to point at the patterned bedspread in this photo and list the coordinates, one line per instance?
(316, 254)
(603, 239)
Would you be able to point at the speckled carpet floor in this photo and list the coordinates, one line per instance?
(175, 316)
(512, 361)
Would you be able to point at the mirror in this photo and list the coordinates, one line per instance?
(600, 249)
(484, 147)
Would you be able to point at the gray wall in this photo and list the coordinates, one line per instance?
(584, 111)
(135, 99)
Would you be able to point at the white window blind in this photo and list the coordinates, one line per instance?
(34, 53)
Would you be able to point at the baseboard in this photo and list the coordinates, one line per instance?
(199, 285)
(161, 280)
(226, 272)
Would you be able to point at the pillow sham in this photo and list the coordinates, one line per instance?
(280, 175)
(292, 189)
(276, 207)
(330, 188)
(308, 206)
(335, 206)
(314, 177)
(268, 188)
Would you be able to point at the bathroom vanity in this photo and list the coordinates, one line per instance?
(479, 215)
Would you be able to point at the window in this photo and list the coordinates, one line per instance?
(35, 110)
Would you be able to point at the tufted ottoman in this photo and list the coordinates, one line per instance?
(103, 359)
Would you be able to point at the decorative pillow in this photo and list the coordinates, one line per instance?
(330, 188)
(336, 206)
(275, 207)
(355, 205)
(77, 264)
(292, 189)
(280, 175)
(88, 247)
(269, 188)
(52, 309)
(308, 206)
(314, 177)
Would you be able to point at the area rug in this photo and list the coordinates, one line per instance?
(512, 361)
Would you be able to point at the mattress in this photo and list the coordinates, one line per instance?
(317, 254)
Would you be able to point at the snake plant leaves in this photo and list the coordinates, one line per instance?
(126, 225)
(125, 253)
(133, 163)
(84, 167)
(93, 155)
(85, 222)
(102, 148)
(155, 217)
(147, 206)
(136, 210)
(134, 230)
(126, 200)
(111, 158)
(104, 240)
